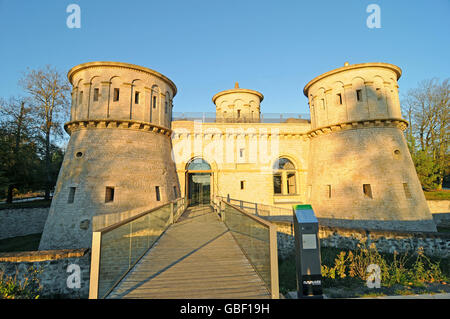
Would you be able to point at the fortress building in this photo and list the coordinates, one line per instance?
(350, 160)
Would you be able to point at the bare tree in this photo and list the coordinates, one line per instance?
(49, 91)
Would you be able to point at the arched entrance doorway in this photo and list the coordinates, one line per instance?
(198, 182)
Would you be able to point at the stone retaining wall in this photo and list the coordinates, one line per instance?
(434, 244)
(440, 209)
(54, 265)
(22, 221)
(439, 206)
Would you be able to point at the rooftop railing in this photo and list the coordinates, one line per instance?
(257, 239)
(212, 117)
(117, 248)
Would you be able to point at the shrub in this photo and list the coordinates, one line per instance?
(400, 270)
(28, 288)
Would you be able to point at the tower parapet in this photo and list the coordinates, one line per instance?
(238, 105)
(119, 154)
(361, 173)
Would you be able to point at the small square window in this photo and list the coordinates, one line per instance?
(136, 97)
(359, 95)
(116, 95)
(71, 195)
(158, 195)
(109, 194)
(367, 190)
(407, 191)
(95, 95)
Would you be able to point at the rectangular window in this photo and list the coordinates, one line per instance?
(291, 183)
(277, 184)
(238, 113)
(95, 95)
(175, 191)
(136, 97)
(322, 103)
(407, 192)
(158, 195)
(359, 95)
(339, 98)
(328, 191)
(241, 153)
(71, 195)
(109, 194)
(81, 97)
(116, 94)
(154, 102)
(242, 184)
(165, 107)
(378, 90)
(367, 190)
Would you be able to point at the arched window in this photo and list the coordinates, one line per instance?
(284, 179)
(198, 164)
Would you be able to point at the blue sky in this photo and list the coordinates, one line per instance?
(274, 47)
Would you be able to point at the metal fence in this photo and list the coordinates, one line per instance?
(210, 117)
(118, 247)
(257, 239)
(258, 209)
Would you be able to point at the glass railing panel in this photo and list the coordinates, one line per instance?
(121, 247)
(253, 238)
(114, 257)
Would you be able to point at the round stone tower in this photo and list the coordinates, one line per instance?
(361, 173)
(238, 105)
(119, 153)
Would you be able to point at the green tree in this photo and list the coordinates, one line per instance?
(427, 110)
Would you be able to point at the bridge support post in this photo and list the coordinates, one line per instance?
(95, 265)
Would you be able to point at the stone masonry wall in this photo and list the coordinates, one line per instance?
(436, 244)
(54, 265)
(22, 221)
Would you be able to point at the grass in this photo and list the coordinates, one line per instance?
(20, 243)
(39, 203)
(437, 195)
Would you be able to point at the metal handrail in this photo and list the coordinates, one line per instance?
(256, 207)
(97, 238)
(273, 250)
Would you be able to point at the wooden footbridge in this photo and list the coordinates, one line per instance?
(198, 256)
